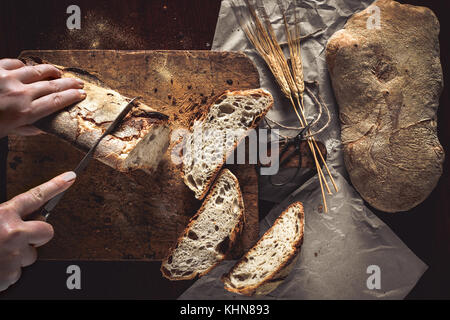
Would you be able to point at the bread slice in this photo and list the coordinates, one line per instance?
(211, 232)
(269, 262)
(232, 114)
(138, 143)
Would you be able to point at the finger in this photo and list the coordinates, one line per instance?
(30, 74)
(11, 64)
(14, 277)
(51, 103)
(28, 130)
(10, 274)
(35, 198)
(29, 256)
(38, 232)
(43, 88)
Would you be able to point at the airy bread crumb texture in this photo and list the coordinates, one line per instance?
(215, 136)
(210, 233)
(266, 265)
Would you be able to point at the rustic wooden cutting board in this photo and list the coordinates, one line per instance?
(109, 215)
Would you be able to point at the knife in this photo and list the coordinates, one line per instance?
(46, 210)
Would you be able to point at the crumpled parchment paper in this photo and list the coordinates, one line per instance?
(338, 246)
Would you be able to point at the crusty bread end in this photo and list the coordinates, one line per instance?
(265, 266)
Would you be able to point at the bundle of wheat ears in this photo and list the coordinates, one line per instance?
(288, 73)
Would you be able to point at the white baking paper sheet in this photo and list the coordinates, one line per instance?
(340, 246)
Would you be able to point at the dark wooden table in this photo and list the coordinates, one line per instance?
(190, 24)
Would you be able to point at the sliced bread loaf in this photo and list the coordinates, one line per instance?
(217, 133)
(211, 232)
(269, 262)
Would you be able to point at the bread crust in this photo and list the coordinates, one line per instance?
(233, 237)
(230, 151)
(272, 280)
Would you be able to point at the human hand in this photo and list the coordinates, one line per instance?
(26, 95)
(18, 238)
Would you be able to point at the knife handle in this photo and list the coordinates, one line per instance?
(39, 215)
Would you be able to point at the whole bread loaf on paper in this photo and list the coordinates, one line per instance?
(217, 134)
(265, 266)
(210, 234)
(139, 142)
(387, 82)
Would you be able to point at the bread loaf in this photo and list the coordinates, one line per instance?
(232, 114)
(387, 81)
(139, 142)
(211, 232)
(265, 266)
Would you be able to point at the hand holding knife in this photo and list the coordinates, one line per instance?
(46, 210)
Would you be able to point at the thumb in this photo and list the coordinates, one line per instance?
(35, 198)
(27, 130)
(38, 232)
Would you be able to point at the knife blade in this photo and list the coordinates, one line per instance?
(46, 210)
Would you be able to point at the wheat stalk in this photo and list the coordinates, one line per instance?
(289, 76)
(297, 71)
(297, 74)
(294, 76)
